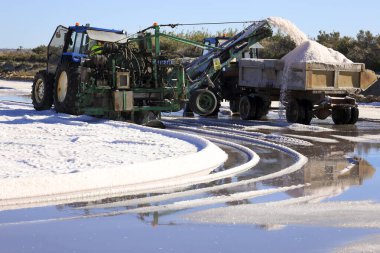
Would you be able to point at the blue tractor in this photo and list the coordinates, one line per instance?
(102, 72)
(60, 82)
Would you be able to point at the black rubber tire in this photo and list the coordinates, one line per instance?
(247, 108)
(262, 107)
(187, 112)
(354, 116)
(204, 102)
(294, 111)
(70, 102)
(308, 112)
(341, 116)
(144, 117)
(42, 91)
(234, 106)
(267, 104)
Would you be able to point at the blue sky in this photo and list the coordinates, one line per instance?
(30, 23)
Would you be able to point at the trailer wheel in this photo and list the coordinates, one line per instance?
(42, 91)
(267, 104)
(66, 89)
(204, 102)
(354, 115)
(234, 106)
(341, 116)
(262, 107)
(247, 108)
(308, 112)
(294, 112)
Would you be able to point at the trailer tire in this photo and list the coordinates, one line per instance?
(341, 116)
(234, 106)
(294, 112)
(66, 88)
(354, 115)
(308, 112)
(267, 104)
(42, 91)
(247, 108)
(262, 107)
(204, 102)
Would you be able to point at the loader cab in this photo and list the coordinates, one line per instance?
(214, 42)
(253, 51)
(72, 44)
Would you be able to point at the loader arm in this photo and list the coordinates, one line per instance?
(202, 69)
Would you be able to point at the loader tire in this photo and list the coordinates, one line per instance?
(66, 89)
(204, 102)
(144, 117)
(354, 115)
(247, 108)
(341, 116)
(42, 91)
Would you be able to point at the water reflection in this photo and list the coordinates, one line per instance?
(330, 171)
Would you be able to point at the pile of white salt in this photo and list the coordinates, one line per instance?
(307, 50)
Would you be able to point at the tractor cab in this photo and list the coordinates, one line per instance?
(76, 42)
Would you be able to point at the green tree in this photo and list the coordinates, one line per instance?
(277, 46)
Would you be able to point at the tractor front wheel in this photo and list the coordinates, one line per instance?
(42, 91)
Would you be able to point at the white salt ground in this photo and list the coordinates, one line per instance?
(44, 153)
(45, 143)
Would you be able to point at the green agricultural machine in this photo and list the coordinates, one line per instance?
(105, 73)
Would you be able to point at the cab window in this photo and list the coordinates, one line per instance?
(78, 43)
(70, 47)
(85, 44)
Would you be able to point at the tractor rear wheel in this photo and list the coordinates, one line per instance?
(247, 108)
(42, 91)
(204, 102)
(341, 116)
(66, 89)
